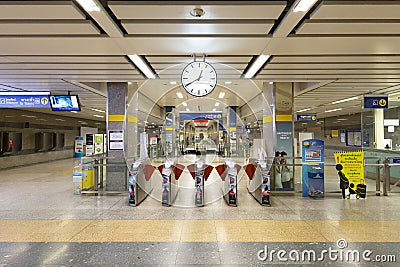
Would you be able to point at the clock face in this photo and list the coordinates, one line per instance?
(199, 78)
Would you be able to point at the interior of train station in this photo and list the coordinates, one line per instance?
(212, 133)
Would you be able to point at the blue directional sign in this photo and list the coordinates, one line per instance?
(306, 117)
(24, 100)
(376, 101)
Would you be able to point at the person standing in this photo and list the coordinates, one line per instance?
(285, 171)
(278, 170)
(247, 146)
(10, 145)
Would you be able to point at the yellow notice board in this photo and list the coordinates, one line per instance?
(353, 166)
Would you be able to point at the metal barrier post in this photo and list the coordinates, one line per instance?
(96, 175)
(101, 165)
(378, 178)
(386, 177)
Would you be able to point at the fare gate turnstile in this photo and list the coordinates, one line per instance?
(139, 182)
(200, 173)
(228, 173)
(259, 181)
(170, 174)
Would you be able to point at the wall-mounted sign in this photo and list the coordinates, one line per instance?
(376, 101)
(115, 140)
(306, 117)
(24, 100)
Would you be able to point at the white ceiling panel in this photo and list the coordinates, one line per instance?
(66, 59)
(336, 58)
(39, 10)
(354, 10)
(45, 28)
(197, 28)
(329, 65)
(59, 66)
(176, 10)
(341, 27)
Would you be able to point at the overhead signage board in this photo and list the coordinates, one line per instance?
(306, 117)
(24, 100)
(376, 101)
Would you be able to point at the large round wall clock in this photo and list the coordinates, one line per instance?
(199, 78)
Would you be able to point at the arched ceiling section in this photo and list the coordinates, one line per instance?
(337, 50)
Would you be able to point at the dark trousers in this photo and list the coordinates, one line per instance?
(343, 193)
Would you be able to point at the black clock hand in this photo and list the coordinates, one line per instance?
(195, 80)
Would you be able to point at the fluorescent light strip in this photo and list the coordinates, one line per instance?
(139, 62)
(332, 110)
(221, 95)
(303, 5)
(306, 109)
(98, 110)
(89, 5)
(345, 100)
(255, 67)
(179, 95)
(99, 116)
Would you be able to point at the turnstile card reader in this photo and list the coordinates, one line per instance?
(229, 190)
(259, 181)
(170, 174)
(200, 173)
(139, 181)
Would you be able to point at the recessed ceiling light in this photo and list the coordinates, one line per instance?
(98, 110)
(332, 110)
(89, 5)
(255, 67)
(221, 95)
(271, 82)
(129, 82)
(187, 109)
(179, 94)
(345, 100)
(228, 82)
(143, 66)
(74, 111)
(216, 104)
(172, 82)
(184, 104)
(304, 5)
(214, 109)
(306, 109)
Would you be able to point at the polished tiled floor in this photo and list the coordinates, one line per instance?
(43, 223)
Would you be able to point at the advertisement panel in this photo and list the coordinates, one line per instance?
(313, 168)
(352, 172)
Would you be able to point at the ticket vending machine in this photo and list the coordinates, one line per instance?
(170, 174)
(228, 173)
(139, 182)
(200, 172)
(259, 181)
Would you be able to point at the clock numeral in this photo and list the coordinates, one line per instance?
(185, 78)
(198, 92)
(211, 85)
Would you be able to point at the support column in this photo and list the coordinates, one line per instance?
(232, 130)
(284, 128)
(116, 110)
(379, 128)
(170, 138)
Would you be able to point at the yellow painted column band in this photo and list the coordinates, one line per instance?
(284, 117)
(267, 119)
(169, 128)
(132, 119)
(116, 117)
(232, 129)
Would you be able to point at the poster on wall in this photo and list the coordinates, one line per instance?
(98, 144)
(352, 163)
(115, 140)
